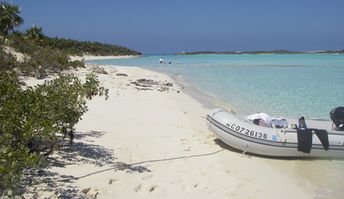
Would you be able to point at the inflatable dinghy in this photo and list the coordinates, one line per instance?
(319, 138)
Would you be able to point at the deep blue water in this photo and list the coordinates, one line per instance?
(280, 85)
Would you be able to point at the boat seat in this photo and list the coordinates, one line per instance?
(337, 116)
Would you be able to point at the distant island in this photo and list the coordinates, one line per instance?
(263, 52)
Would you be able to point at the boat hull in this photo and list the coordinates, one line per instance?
(246, 136)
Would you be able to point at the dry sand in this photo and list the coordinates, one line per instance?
(19, 56)
(153, 142)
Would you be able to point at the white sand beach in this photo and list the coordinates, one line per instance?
(153, 142)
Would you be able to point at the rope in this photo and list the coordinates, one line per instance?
(245, 150)
(122, 165)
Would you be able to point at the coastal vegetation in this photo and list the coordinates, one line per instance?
(9, 18)
(34, 121)
(45, 55)
(75, 47)
(34, 38)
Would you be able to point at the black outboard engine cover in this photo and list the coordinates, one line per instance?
(337, 116)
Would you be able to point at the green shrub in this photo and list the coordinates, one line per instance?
(20, 43)
(7, 61)
(75, 47)
(48, 61)
(33, 121)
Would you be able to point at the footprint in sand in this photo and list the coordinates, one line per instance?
(114, 181)
(138, 188)
(184, 140)
(149, 189)
(152, 188)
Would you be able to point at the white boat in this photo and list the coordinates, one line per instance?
(242, 134)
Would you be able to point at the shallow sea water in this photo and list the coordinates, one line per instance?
(295, 85)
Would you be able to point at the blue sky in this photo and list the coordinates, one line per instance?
(170, 26)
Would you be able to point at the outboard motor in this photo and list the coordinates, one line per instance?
(337, 116)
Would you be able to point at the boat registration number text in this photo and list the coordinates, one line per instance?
(246, 131)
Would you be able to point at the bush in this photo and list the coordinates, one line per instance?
(34, 120)
(20, 43)
(41, 61)
(7, 61)
(48, 61)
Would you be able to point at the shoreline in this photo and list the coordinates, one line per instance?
(151, 143)
(207, 100)
(93, 57)
(250, 99)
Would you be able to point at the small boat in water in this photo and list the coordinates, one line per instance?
(320, 138)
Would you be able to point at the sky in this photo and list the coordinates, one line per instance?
(171, 26)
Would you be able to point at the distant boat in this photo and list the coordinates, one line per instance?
(324, 139)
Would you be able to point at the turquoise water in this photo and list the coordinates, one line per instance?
(280, 85)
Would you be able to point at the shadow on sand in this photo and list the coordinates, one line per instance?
(132, 167)
(42, 180)
(81, 152)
